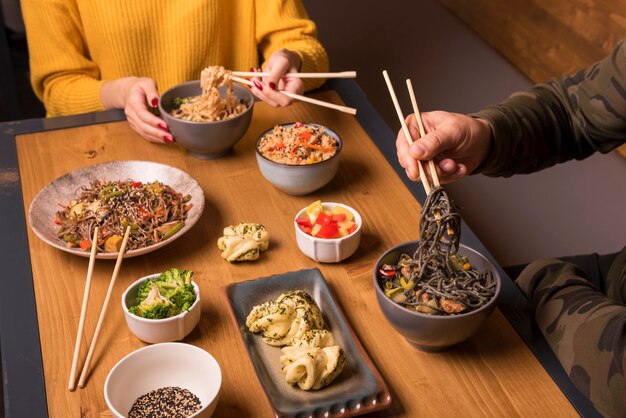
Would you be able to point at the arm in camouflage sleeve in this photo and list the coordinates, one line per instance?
(567, 118)
(585, 328)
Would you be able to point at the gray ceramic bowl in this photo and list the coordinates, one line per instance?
(299, 180)
(207, 140)
(434, 332)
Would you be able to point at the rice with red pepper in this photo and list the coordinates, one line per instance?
(298, 144)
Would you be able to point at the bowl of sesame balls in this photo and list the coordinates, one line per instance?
(164, 380)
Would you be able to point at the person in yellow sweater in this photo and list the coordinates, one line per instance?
(90, 55)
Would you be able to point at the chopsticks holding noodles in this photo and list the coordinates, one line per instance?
(94, 340)
(83, 310)
(407, 133)
(345, 109)
(342, 74)
(420, 124)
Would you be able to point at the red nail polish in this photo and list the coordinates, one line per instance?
(163, 126)
(258, 85)
(168, 139)
(252, 69)
(155, 102)
(272, 85)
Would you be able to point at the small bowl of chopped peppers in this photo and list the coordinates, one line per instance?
(328, 232)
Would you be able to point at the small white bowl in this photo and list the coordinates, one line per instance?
(161, 365)
(160, 330)
(327, 250)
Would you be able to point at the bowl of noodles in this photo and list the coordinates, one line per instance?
(208, 116)
(439, 301)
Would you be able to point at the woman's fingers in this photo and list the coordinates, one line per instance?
(269, 88)
(149, 126)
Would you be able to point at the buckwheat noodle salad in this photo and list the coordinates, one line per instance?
(210, 106)
(436, 279)
(154, 211)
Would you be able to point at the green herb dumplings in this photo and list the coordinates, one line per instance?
(311, 359)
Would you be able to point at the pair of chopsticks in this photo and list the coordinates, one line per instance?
(237, 76)
(431, 165)
(83, 310)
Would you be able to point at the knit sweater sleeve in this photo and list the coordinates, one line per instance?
(62, 74)
(563, 119)
(285, 24)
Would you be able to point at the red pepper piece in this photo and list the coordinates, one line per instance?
(323, 219)
(339, 217)
(303, 220)
(330, 230)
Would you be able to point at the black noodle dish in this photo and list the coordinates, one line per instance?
(153, 211)
(436, 279)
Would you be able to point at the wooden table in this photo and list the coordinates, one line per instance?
(493, 374)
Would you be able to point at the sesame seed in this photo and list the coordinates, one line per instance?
(166, 402)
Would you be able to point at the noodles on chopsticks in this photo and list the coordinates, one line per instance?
(210, 106)
(436, 279)
(154, 211)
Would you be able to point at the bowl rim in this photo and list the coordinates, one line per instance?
(249, 104)
(161, 346)
(357, 216)
(290, 124)
(180, 316)
(379, 292)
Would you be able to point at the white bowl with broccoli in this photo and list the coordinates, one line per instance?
(162, 307)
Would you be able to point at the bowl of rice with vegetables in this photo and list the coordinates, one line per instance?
(298, 158)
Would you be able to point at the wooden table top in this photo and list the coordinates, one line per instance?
(492, 374)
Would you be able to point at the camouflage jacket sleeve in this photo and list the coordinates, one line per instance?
(567, 118)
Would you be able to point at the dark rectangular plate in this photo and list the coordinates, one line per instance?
(359, 388)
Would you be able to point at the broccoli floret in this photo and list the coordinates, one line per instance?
(154, 306)
(167, 283)
(172, 286)
(172, 279)
(183, 297)
(177, 102)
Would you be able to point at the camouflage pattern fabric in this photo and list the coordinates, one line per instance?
(585, 328)
(566, 118)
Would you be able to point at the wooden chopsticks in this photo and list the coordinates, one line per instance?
(94, 340)
(420, 124)
(407, 133)
(345, 109)
(83, 310)
(342, 74)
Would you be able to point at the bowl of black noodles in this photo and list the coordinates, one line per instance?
(435, 313)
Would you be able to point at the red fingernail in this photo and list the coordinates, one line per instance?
(257, 85)
(252, 69)
(155, 102)
(163, 126)
(168, 139)
(272, 85)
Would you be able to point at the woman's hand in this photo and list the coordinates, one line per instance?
(456, 142)
(279, 63)
(134, 95)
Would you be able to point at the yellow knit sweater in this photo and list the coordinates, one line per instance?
(76, 45)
